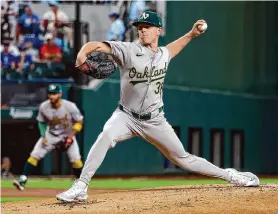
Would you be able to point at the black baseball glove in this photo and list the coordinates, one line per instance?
(99, 66)
(64, 144)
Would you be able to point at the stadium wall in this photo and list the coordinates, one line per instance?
(238, 52)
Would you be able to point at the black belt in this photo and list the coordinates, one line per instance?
(55, 135)
(138, 116)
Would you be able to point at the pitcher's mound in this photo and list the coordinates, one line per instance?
(179, 199)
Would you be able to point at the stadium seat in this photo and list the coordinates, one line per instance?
(41, 65)
(58, 66)
(4, 71)
(48, 72)
(68, 58)
(13, 75)
(34, 74)
(59, 69)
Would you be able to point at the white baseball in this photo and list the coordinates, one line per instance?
(203, 27)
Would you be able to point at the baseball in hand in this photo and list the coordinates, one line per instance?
(203, 27)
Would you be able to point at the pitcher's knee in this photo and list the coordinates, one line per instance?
(105, 137)
(185, 160)
(179, 154)
(190, 158)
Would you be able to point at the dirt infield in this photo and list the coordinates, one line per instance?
(175, 200)
(47, 192)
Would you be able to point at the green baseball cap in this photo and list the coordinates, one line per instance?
(149, 18)
(54, 88)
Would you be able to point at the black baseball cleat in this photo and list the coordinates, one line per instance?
(20, 182)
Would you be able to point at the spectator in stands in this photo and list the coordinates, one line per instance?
(122, 6)
(24, 62)
(136, 8)
(7, 58)
(8, 18)
(61, 41)
(117, 28)
(56, 18)
(50, 52)
(28, 23)
(28, 42)
(11, 47)
(36, 41)
(21, 6)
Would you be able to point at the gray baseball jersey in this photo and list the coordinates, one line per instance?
(142, 75)
(142, 78)
(61, 120)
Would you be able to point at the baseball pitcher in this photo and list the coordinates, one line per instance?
(59, 121)
(143, 67)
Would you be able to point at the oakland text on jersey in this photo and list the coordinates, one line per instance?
(142, 77)
(62, 121)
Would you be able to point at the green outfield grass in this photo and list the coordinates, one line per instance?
(11, 199)
(122, 183)
(114, 183)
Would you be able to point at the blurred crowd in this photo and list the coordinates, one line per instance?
(122, 17)
(33, 46)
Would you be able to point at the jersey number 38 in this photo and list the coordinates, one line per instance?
(159, 87)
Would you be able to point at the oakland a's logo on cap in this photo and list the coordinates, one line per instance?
(52, 87)
(144, 16)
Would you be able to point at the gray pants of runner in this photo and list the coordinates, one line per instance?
(158, 132)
